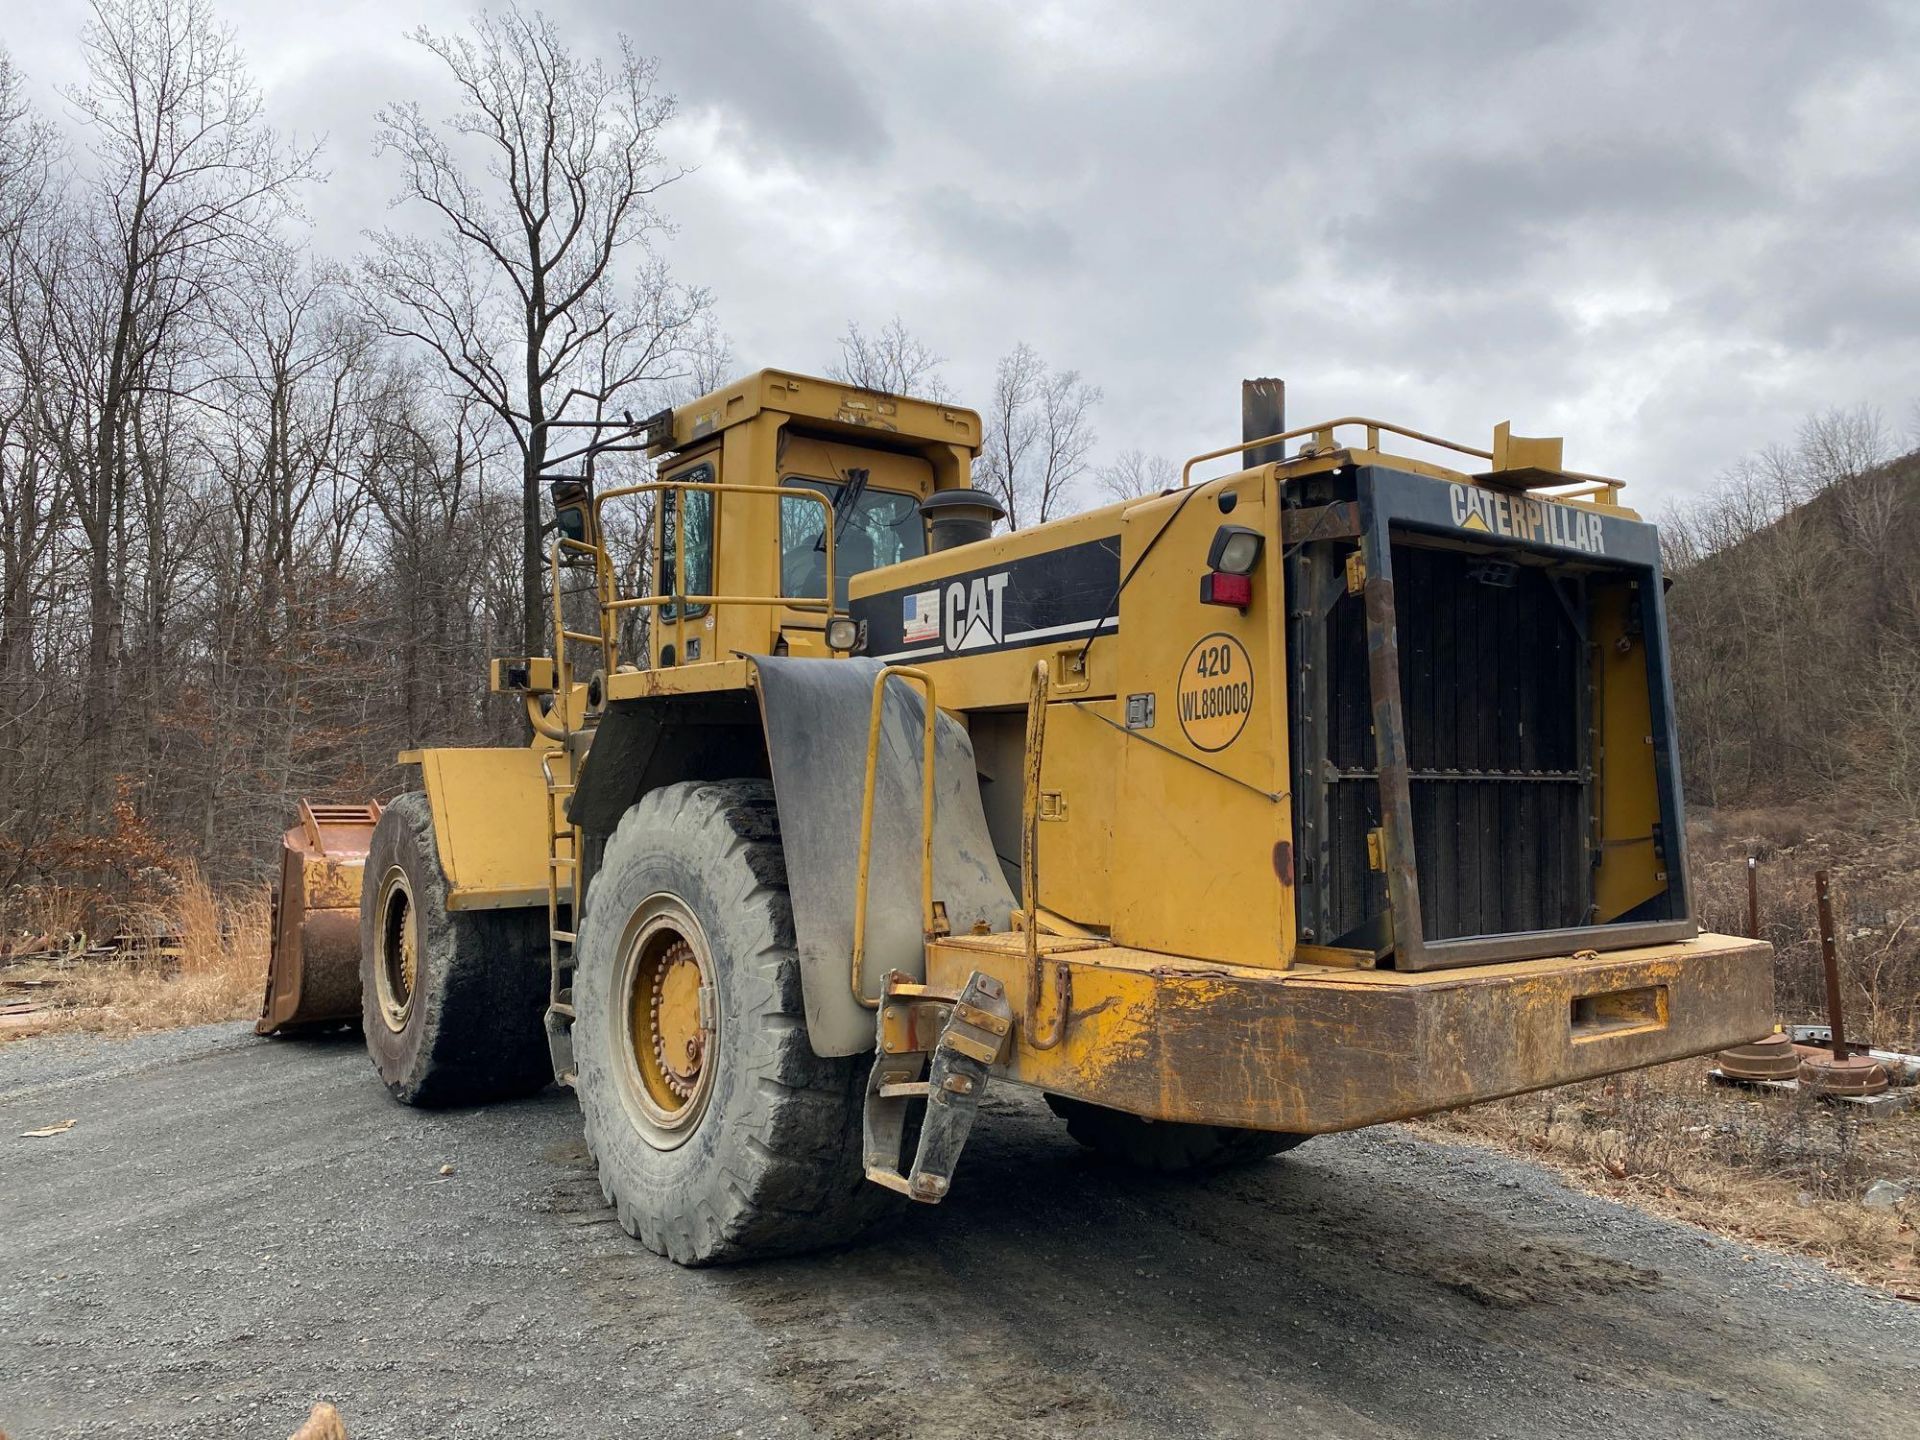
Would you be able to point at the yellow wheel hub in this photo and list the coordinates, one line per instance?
(679, 1044)
(666, 1004)
(397, 971)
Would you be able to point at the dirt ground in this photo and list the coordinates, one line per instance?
(235, 1228)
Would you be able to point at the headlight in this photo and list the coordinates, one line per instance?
(845, 635)
(1235, 550)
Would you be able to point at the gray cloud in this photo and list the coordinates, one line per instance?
(995, 234)
(1666, 230)
(776, 76)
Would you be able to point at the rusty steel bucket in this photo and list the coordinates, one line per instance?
(313, 973)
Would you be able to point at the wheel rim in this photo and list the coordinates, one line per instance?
(666, 1022)
(396, 961)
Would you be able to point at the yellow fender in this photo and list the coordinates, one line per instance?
(490, 823)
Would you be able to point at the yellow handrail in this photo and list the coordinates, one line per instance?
(548, 725)
(612, 603)
(1323, 433)
(555, 863)
(1030, 875)
(1324, 440)
(925, 682)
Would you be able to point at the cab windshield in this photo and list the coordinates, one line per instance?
(883, 528)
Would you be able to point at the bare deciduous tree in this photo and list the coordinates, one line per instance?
(1039, 436)
(540, 186)
(1795, 620)
(289, 547)
(894, 362)
(187, 180)
(1134, 474)
(1837, 445)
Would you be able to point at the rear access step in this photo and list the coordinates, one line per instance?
(972, 1035)
(313, 973)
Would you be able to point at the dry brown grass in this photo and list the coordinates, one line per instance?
(193, 957)
(1778, 1170)
(1875, 872)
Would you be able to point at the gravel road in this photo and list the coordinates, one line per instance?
(238, 1227)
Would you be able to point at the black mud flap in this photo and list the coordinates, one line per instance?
(816, 714)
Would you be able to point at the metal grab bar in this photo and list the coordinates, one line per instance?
(556, 937)
(611, 603)
(1323, 434)
(1030, 875)
(554, 726)
(925, 682)
(1600, 487)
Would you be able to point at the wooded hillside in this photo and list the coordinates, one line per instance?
(1795, 618)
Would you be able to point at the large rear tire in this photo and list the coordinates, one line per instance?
(451, 1002)
(719, 1134)
(1166, 1146)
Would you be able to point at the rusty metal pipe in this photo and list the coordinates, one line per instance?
(1830, 964)
(1394, 769)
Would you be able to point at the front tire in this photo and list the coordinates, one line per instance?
(451, 1002)
(1167, 1146)
(719, 1134)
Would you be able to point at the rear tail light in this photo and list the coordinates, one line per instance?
(1219, 588)
(1230, 560)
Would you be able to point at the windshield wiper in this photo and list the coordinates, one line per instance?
(843, 507)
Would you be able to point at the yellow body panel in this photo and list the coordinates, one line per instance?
(490, 823)
(1201, 854)
(830, 406)
(1631, 868)
(702, 679)
(1077, 767)
(1168, 845)
(991, 681)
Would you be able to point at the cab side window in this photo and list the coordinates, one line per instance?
(694, 508)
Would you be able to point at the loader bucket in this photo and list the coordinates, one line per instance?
(313, 974)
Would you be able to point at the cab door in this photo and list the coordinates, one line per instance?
(682, 633)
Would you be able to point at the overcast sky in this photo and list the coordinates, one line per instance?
(1664, 230)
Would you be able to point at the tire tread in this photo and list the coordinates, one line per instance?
(476, 1035)
(1169, 1147)
(793, 1181)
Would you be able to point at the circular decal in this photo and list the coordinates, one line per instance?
(1216, 692)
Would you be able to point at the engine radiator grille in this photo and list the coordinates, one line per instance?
(1495, 695)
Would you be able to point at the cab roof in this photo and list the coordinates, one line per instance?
(828, 406)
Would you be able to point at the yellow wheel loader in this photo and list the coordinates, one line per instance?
(1335, 785)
